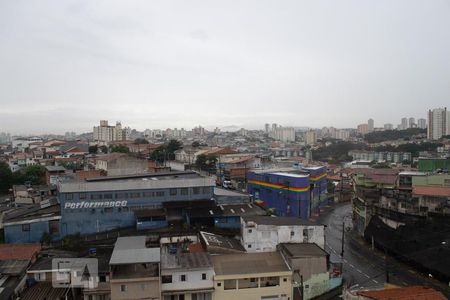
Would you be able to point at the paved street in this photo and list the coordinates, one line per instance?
(362, 265)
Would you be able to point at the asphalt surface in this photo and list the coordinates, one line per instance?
(362, 266)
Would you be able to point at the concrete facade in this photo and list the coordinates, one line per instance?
(259, 236)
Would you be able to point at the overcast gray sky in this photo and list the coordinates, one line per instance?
(64, 65)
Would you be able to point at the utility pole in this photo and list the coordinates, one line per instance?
(342, 239)
(386, 265)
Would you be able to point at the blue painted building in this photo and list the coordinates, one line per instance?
(289, 192)
(29, 224)
(107, 203)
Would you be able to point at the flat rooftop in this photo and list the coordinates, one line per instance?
(279, 221)
(291, 175)
(139, 183)
(249, 263)
(296, 250)
(133, 250)
(186, 261)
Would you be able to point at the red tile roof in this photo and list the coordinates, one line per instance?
(242, 159)
(196, 248)
(439, 191)
(18, 251)
(404, 293)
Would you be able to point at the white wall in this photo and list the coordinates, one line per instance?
(193, 279)
(265, 238)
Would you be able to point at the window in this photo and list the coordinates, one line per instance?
(284, 279)
(53, 226)
(166, 279)
(82, 196)
(102, 278)
(25, 227)
(123, 288)
(269, 281)
(201, 296)
(121, 195)
(183, 277)
(249, 245)
(206, 189)
(196, 190)
(149, 194)
(160, 194)
(69, 196)
(203, 276)
(229, 284)
(292, 233)
(96, 196)
(107, 196)
(173, 192)
(248, 283)
(219, 284)
(184, 191)
(249, 231)
(135, 195)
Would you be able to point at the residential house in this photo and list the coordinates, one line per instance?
(135, 270)
(312, 273)
(185, 275)
(251, 276)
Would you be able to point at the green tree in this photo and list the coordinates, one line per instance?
(120, 149)
(34, 174)
(159, 154)
(93, 149)
(104, 149)
(6, 177)
(173, 146)
(206, 162)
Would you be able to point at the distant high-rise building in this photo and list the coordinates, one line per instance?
(363, 129)
(5, 137)
(267, 127)
(342, 134)
(371, 125)
(412, 123)
(388, 126)
(105, 133)
(274, 126)
(422, 123)
(404, 124)
(438, 123)
(199, 130)
(284, 134)
(311, 137)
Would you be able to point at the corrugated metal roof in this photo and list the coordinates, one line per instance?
(438, 191)
(133, 184)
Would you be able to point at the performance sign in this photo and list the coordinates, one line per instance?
(94, 204)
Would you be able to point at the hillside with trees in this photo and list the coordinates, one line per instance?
(390, 135)
(337, 152)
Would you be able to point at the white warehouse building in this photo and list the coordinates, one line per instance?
(264, 233)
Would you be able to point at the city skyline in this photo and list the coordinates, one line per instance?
(177, 64)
